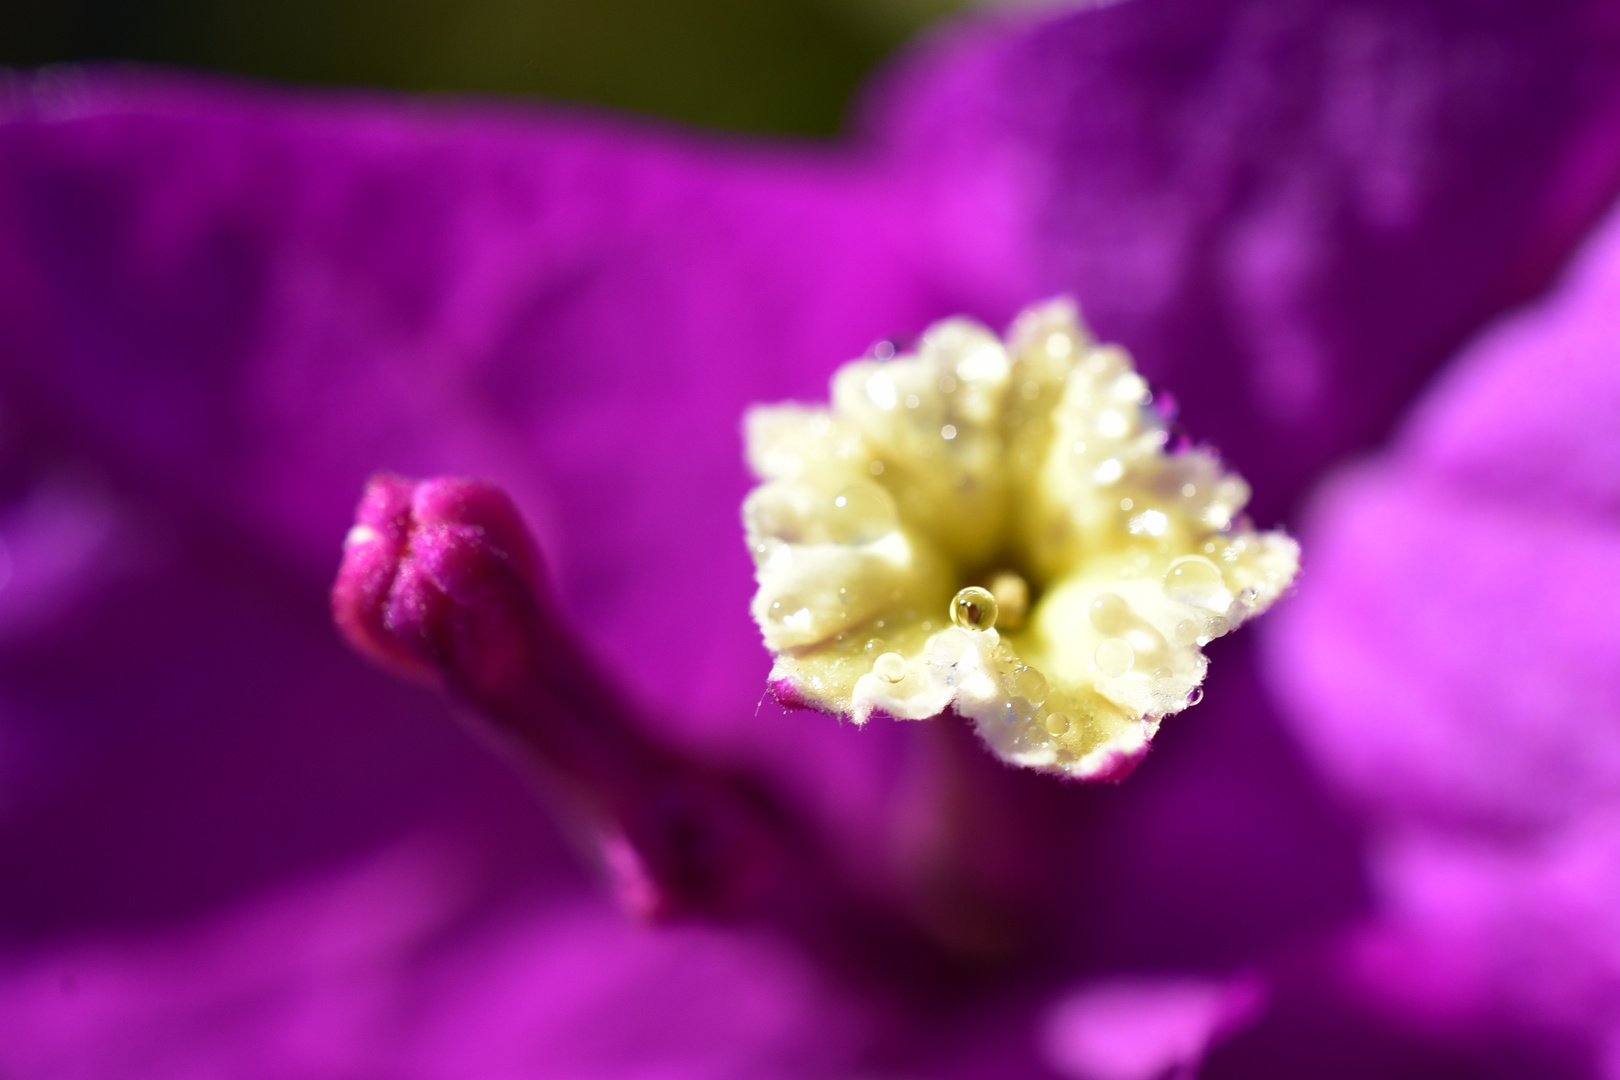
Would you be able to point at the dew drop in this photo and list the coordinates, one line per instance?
(876, 646)
(1214, 628)
(912, 401)
(1029, 684)
(1110, 613)
(1195, 695)
(875, 468)
(1057, 723)
(1186, 632)
(974, 609)
(1193, 579)
(948, 432)
(791, 612)
(861, 513)
(890, 667)
(1114, 657)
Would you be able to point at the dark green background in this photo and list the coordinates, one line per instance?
(756, 65)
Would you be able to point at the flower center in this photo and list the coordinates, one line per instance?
(1029, 489)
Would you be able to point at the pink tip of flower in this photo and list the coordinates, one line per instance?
(1116, 765)
(789, 696)
(418, 553)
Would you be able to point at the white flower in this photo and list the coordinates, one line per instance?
(999, 529)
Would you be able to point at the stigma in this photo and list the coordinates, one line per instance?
(999, 527)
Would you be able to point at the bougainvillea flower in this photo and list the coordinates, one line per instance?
(231, 847)
(1002, 529)
(1478, 717)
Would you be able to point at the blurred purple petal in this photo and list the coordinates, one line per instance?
(1453, 660)
(1290, 212)
(372, 972)
(1146, 1029)
(231, 305)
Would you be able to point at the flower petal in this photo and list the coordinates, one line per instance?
(1453, 659)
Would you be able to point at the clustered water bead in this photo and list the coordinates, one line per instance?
(974, 608)
(1196, 581)
(861, 513)
(1003, 528)
(890, 667)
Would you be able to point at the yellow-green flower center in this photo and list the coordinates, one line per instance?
(996, 527)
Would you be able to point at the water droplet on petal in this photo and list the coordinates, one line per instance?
(876, 646)
(1195, 695)
(1029, 684)
(1193, 579)
(1057, 723)
(1110, 613)
(974, 609)
(1114, 657)
(860, 514)
(890, 667)
(791, 612)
